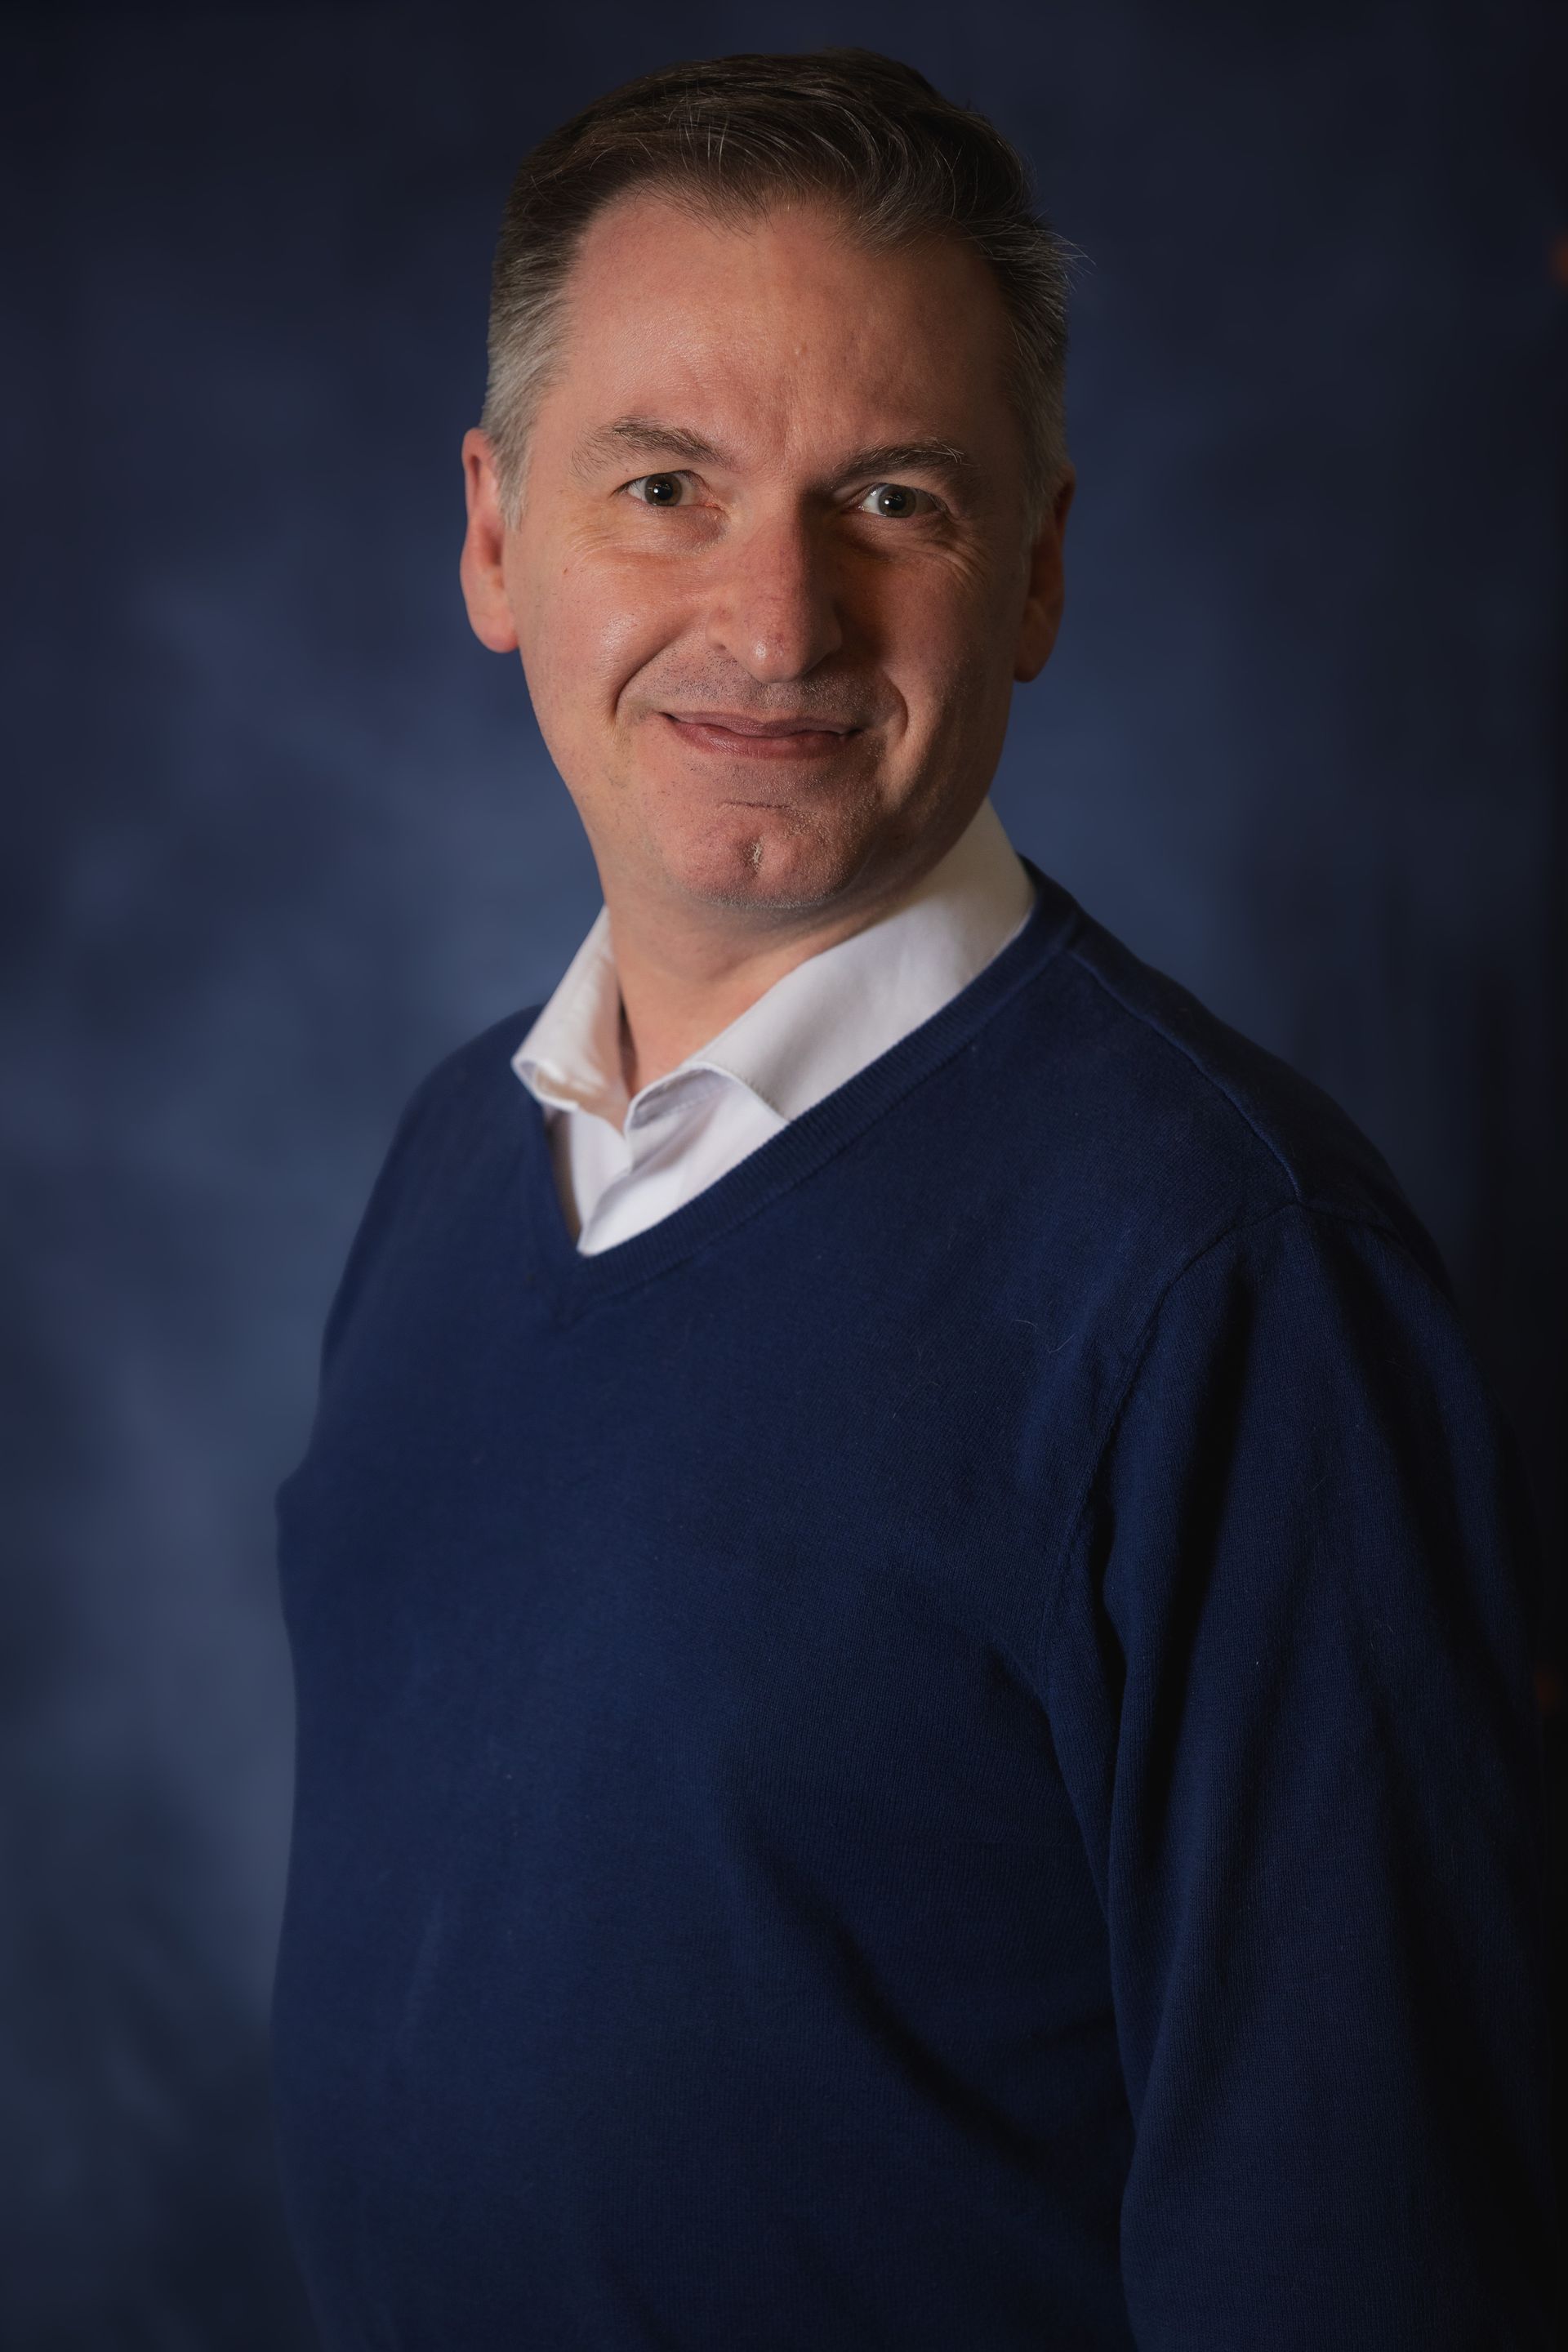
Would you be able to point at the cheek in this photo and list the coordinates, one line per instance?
(591, 625)
(939, 641)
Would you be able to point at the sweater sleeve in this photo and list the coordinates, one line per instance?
(1287, 1665)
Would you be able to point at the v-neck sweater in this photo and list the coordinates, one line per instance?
(935, 1753)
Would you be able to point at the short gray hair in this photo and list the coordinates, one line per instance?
(728, 136)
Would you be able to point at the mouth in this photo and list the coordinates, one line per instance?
(740, 736)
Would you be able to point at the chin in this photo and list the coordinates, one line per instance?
(771, 858)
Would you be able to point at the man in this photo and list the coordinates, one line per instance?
(909, 1616)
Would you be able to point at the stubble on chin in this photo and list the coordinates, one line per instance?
(797, 862)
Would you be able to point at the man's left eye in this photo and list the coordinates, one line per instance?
(895, 501)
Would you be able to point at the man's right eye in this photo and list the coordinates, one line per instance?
(658, 490)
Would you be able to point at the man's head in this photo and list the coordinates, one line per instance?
(771, 480)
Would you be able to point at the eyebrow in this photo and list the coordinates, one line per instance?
(641, 437)
(648, 437)
(943, 458)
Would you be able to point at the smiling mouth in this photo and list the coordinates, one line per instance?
(777, 739)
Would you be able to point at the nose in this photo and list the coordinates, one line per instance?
(776, 605)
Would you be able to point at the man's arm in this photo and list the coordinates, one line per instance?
(1287, 1665)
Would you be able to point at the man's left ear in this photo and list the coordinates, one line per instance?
(1043, 604)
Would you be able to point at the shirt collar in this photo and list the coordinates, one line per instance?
(571, 1058)
(824, 1020)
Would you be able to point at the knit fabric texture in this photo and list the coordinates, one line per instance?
(934, 1754)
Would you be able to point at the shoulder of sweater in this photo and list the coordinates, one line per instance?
(470, 1071)
(1169, 1105)
(459, 1098)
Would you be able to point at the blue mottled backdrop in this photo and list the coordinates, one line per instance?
(278, 832)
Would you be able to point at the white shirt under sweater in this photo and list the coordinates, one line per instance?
(621, 1163)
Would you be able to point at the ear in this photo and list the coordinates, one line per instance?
(484, 543)
(1043, 602)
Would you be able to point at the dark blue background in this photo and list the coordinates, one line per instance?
(279, 833)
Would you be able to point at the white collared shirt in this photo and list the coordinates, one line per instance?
(621, 1163)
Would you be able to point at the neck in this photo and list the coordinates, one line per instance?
(680, 986)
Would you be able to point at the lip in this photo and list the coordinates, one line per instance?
(733, 732)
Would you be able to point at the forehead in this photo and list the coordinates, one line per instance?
(781, 326)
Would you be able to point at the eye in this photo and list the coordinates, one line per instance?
(659, 489)
(897, 501)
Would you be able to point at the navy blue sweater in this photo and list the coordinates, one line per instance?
(934, 1754)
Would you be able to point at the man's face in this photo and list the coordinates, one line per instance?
(772, 580)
